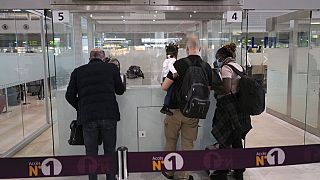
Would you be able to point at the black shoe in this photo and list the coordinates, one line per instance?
(167, 175)
(190, 177)
(221, 176)
(166, 110)
(238, 175)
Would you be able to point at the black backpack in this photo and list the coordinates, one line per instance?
(251, 94)
(194, 94)
(134, 72)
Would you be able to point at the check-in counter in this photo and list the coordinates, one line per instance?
(141, 127)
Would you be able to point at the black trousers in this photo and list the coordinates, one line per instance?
(108, 132)
(236, 143)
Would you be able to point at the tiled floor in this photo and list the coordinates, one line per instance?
(267, 131)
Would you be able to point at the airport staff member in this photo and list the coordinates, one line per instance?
(91, 91)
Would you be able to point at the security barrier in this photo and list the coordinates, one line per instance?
(134, 162)
(32, 167)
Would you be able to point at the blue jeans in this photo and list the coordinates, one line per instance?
(107, 129)
(168, 96)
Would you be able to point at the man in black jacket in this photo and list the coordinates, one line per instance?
(91, 91)
(177, 125)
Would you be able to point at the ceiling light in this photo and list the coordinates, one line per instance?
(154, 20)
(124, 20)
(121, 16)
(194, 11)
(91, 15)
(115, 39)
(154, 15)
(16, 10)
(315, 23)
(156, 12)
(190, 15)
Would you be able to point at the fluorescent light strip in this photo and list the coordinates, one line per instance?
(114, 39)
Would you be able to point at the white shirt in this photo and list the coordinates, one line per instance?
(168, 66)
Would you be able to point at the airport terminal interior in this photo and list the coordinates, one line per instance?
(280, 46)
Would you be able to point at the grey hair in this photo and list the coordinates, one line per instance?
(97, 53)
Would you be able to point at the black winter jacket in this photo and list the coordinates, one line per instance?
(91, 91)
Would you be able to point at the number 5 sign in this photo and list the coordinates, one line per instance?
(61, 16)
(234, 16)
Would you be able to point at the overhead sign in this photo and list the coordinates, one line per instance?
(234, 16)
(61, 16)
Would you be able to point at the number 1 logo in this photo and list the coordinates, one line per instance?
(276, 156)
(51, 167)
(173, 161)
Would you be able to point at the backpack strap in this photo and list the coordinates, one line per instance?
(241, 74)
(202, 65)
(190, 63)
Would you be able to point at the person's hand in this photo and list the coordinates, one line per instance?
(175, 75)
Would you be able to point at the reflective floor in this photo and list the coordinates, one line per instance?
(21, 121)
(267, 131)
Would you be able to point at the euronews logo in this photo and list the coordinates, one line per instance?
(274, 157)
(172, 161)
(48, 167)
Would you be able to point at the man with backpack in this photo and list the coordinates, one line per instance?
(189, 101)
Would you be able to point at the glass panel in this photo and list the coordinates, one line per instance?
(52, 81)
(11, 127)
(232, 33)
(278, 67)
(85, 39)
(132, 42)
(313, 95)
(300, 48)
(277, 52)
(31, 64)
(64, 63)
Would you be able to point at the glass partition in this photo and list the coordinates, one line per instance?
(37, 57)
(281, 47)
(270, 52)
(313, 79)
(11, 109)
(23, 111)
(136, 38)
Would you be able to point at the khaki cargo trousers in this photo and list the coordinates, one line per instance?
(173, 127)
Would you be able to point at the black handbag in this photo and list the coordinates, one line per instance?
(76, 135)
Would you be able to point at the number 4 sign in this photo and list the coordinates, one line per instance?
(234, 16)
(61, 16)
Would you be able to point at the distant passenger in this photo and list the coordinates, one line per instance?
(115, 62)
(172, 55)
(178, 125)
(91, 91)
(229, 124)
